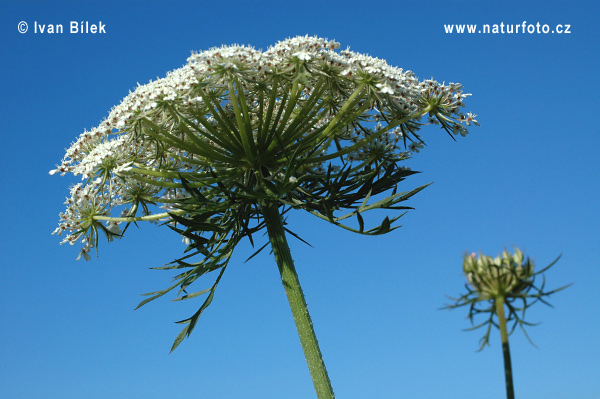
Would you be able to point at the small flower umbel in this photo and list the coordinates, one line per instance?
(225, 146)
(506, 281)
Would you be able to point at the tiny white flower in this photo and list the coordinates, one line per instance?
(384, 88)
(415, 147)
(302, 55)
(114, 228)
(85, 255)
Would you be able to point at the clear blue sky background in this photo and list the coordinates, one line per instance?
(529, 176)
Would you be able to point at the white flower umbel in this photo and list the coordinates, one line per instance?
(189, 122)
(222, 147)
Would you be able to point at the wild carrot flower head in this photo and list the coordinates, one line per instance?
(237, 132)
(281, 125)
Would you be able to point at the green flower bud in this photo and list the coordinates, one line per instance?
(502, 276)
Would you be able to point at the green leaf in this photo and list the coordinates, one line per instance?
(194, 192)
(158, 295)
(365, 201)
(384, 227)
(297, 237)
(257, 252)
(194, 319)
(192, 295)
(180, 338)
(361, 222)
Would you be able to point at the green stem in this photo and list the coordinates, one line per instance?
(510, 391)
(367, 140)
(349, 104)
(246, 134)
(293, 290)
(156, 216)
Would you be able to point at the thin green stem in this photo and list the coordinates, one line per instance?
(372, 137)
(163, 135)
(510, 391)
(219, 115)
(349, 104)
(156, 216)
(295, 296)
(266, 135)
(247, 139)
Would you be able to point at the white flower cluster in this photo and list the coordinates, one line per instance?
(190, 122)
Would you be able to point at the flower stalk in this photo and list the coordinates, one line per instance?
(510, 390)
(293, 291)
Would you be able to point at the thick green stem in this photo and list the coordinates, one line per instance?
(510, 391)
(293, 290)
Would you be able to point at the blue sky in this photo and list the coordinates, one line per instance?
(528, 176)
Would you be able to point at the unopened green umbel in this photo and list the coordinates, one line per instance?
(494, 285)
